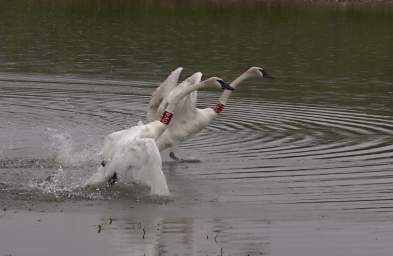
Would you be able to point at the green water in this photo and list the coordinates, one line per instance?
(320, 55)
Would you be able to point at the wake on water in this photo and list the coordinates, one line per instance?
(136, 161)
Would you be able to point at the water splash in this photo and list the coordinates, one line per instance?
(52, 184)
(65, 153)
(63, 184)
(70, 168)
(68, 184)
(137, 163)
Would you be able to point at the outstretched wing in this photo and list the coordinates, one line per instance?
(161, 92)
(192, 99)
(185, 106)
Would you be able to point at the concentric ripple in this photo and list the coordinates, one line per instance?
(257, 152)
(294, 154)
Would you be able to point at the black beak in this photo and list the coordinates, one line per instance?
(266, 74)
(225, 86)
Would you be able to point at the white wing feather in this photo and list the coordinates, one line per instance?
(161, 93)
(193, 99)
(187, 108)
(184, 106)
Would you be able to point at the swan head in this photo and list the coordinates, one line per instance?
(219, 83)
(259, 72)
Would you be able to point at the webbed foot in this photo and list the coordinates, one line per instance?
(112, 181)
(183, 160)
(173, 156)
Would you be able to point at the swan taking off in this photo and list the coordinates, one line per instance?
(131, 156)
(190, 120)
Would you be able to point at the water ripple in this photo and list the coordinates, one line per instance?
(256, 152)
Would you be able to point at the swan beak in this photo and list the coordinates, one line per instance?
(225, 86)
(266, 74)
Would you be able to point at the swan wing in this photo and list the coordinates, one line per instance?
(186, 109)
(190, 81)
(184, 104)
(161, 93)
(193, 99)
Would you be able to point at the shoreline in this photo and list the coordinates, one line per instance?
(192, 7)
(223, 3)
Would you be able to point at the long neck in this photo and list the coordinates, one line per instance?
(227, 93)
(182, 93)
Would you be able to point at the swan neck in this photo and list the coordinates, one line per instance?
(155, 129)
(240, 79)
(227, 93)
(191, 88)
(180, 95)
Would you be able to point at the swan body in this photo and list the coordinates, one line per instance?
(184, 128)
(134, 159)
(153, 129)
(190, 120)
(132, 156)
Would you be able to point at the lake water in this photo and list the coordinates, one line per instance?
(298, 165)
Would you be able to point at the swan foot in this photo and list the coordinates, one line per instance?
(112, 181)
(183, 160)
(173, 156)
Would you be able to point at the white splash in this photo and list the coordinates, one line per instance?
(134, 159)
(64, 152)
(62, 184)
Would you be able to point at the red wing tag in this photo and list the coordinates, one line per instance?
(219, 107)
(166, 117)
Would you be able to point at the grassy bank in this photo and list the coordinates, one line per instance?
(187, 6)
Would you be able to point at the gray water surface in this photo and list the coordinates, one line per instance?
(298, 165)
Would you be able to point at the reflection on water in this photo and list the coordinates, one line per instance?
(191, 236)
(248, 237)
(300, 165)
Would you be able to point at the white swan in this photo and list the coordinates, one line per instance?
(190, 120)
(131, 155)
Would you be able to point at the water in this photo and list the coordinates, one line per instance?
(300, 165)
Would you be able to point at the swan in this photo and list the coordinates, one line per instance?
(189, 119)
(132, 156)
